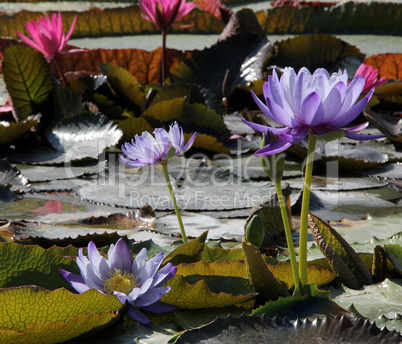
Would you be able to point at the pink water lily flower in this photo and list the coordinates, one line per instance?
(48, 35)
(164, 13)
(371, 76)
(304, 102)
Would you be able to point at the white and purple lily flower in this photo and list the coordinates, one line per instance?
(317, 102)
(149, 150)
(138, 283)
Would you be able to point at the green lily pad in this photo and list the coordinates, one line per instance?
(394, 253)
(340, 255)
(78, 138)
(12, 131)
(373, 301)
(28, 80)
(37, 316)
(255, 329)
(242, 51)
(28, 265)
(316, 51)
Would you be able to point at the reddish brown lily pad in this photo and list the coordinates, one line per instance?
(144, 65)
(388, 65)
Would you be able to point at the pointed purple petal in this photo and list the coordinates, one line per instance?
(137, 315)
(76, 281)
(277, 146)
(160, 307)
(357, 127)
(364, 137)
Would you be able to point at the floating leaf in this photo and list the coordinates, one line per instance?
(34, 315)
(372, 301)
(270, 214)
(256, 329)
(26, 265)
(208, 143)
(199, 295)
(192, 117)
(340, 255)
(261, 278)
(394, 253)
(389, 65)
(387, 124)
(111, 21)
(27, 78)
(11, 131)
(124, 84)
(185, 251)
(379, 268)
(142, 64)
(241, 52)
(315, 51)
(81, 137)
(351, 18)
(236, 268)
(283, 272)
(133, 126)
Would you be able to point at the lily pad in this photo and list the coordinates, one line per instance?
(255, 329)
(28, 80)
(373, 301)
(82, 137)
(12, 131)
(242, 51)
(316, 51)
(37, 316)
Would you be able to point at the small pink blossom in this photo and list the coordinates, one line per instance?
(48, 35)
(164, 13)
(371, 76)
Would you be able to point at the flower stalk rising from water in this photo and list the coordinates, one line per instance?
(313, 105)
(163, 13)
(147, 150)
(49, 38)
(138, 283)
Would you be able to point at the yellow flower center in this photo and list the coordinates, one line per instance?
(121, 281)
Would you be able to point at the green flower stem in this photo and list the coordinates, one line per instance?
(288, 232)
(312, 140)
(176, 208)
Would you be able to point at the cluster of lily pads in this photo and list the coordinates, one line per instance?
(69, 106)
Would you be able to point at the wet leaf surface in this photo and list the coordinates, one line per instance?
(372, 302)
(35, 315)
(257, 329)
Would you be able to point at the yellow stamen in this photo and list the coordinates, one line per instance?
(121, 281)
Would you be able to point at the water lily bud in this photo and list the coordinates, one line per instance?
(274, 164)
(255, 231)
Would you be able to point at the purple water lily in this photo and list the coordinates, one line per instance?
(316, 102)
(138, 283)
(148, 150)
